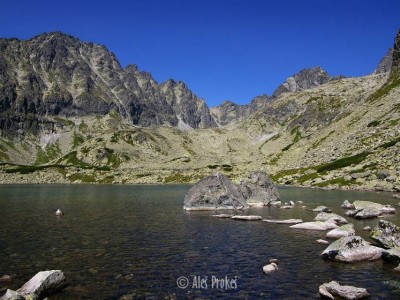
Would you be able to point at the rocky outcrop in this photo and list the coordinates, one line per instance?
(385, 64)
(259, 188)
(305, 79)
(386, 234)
(352, 249)
(214, 192)
(333, 288)
(56, 74)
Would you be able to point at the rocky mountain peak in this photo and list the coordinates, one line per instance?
(57, 74)
(305, 79)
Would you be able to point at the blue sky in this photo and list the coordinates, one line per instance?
(222, 49)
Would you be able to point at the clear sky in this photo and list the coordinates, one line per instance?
(222, 49)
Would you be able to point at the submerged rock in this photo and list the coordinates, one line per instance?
(347, 205)
(386, 234)
(322, 209)
(259, 188)
(288, 221)
(317, 225)
(322, 242)
(247, 218)
(214, 192)
(222, 216)
(59, 212)
(44, 283)
(344, 291)
(352, 249)
(344, 230)
(323, 216)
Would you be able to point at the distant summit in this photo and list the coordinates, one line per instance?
(305, 79)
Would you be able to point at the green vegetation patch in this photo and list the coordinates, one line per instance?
(77, 140)
(373, 124)
(392, 83)
(319, 142)
(50, 152)
(307, 177)
(85, 178)
(342, 162)
(179, 178)
(288, 172)
(341, 181)
(30, 169)
(390, 143)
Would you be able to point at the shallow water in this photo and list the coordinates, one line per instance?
(117, 240)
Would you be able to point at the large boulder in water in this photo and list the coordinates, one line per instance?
(328, 290)
(214, 192)
(259, 189)
(352, 249)
(386, 234)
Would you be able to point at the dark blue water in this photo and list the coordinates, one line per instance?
(137, 241)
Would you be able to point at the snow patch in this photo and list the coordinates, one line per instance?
(268, 136)
(47, 139)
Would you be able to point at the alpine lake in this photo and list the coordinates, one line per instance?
(137, 242)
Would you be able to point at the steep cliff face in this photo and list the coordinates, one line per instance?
(385, 64)
(57, 74)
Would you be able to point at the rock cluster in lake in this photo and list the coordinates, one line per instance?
(40, 286)
(218, 192)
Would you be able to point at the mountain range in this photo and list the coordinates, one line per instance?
(70, 113)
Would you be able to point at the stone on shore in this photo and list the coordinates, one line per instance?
(345, 291)
(317, 225)
(347, 205)
(214, 192)
(259, 189)
(44, 283)
(247, 218)
(322, 209)
(288, 221)
(344, 230)
(386, 234)
(323, 216)
(352, 249)
(270, 268)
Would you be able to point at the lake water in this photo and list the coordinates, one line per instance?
(117, 240)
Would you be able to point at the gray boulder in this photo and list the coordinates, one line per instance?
(317, 225)
(384, 209)
(214, 192)
(44, 283)
(288, 221)
(259, 188)
(367, 213)
(386, 234)
(347, 205)
(322, 209)
(352, 249)
(323, 216)
(332, 288)
(345, 230)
